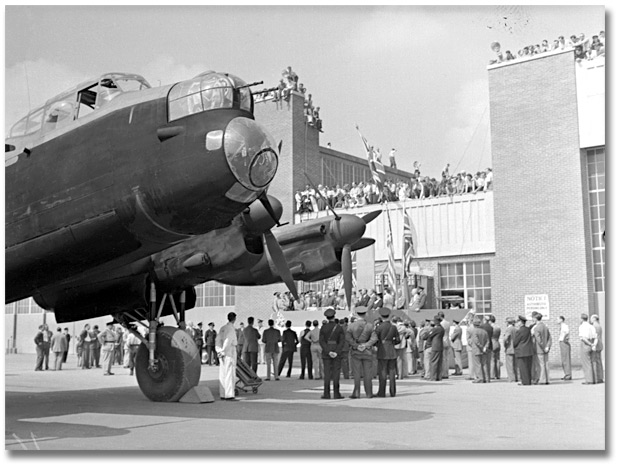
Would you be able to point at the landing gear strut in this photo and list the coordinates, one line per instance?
(167, 362)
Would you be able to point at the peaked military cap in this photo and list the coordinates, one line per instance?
(384, 312)
(330, 312)
(360, 310)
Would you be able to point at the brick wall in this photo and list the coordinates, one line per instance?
(540, 233)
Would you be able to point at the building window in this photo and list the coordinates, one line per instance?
(9, 309)
(347, 175)
(470, 281)
(595, 159)
(214, 294)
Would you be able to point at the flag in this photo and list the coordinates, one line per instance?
(408, 246)
(374, 163)
(391, 261)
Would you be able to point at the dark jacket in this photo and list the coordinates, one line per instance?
(271, 337)
(435, 335)
(210, 335)
(331, 338)
(523, 342)
(251, 337)
(289, 341)
(387, 338)
(305, 343)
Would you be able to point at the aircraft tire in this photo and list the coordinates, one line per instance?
(178, 363)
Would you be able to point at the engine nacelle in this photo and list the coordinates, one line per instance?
(105, 298)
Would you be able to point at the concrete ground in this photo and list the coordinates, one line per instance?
(76, 409)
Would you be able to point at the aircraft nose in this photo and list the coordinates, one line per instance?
(250, 153)
(348, 229)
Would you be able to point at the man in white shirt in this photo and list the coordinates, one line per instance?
(587, 336)
(315, 350)
(565, 349)
(226, 348)
(598, 350)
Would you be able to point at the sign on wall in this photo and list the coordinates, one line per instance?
(537, 303)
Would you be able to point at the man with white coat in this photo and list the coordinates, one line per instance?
(226, 349)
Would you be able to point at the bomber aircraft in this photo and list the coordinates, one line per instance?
(120, 198)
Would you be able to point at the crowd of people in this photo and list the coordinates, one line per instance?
(367, 193)
(331, 297)
(390, 348)
(282, 93)
(94, 348)
(585, 49)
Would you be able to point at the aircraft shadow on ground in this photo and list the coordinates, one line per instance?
(262, 406)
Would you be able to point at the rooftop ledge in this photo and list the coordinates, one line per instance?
(596, 62)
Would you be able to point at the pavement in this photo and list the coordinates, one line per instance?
(77, 409)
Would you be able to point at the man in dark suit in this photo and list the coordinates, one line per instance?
(435, 336)
(289, 347)
(250, 344)
(387, 338)
(457, 347)
(488, 356)
(305, 354)
(331, 339)
(199, 339)
(524, 350)
(271, 337)
(480, 347)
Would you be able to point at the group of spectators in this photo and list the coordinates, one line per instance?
(94, 348)
(390, 347)
(282, 93)
(371, 299)
(585, 49)
(367, 193)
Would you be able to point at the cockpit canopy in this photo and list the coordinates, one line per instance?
(77, 103)
(208, 91)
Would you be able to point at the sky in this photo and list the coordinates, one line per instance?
(413, 78)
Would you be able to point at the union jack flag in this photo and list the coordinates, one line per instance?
(391, 261)
(408, 246)
(374, 162)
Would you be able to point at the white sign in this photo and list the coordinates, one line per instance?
(537, 303)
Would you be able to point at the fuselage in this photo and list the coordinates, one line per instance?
(146, 170)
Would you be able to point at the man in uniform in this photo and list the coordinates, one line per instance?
(198, 339)
(445, 356)
(108, 339)
(346, 351)
(361, 337)
(304, 351)
(542, 344)
(331, 338)
(457, 347)
(524, 351)
(597, 356)
(210, 335)
(387, 338)
(509, 336)
(250, 345)
(565, 349)
(68, 337)
(587, 336)
(226, 348)
(95, 347)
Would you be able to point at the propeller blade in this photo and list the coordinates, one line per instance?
(368, 217)
(362, 243)
(264, 199)
(277, 255)
(347, 273)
